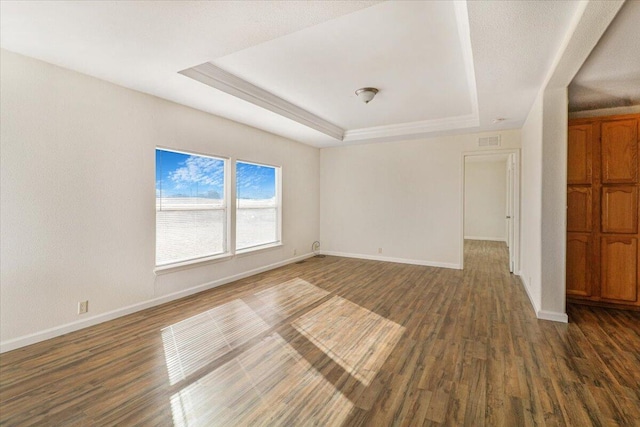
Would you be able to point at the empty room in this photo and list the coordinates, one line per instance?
(330, 213)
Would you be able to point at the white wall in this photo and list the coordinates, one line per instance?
(544, 151)
(554, 201)
(485, 200)
(78, 197)
(403, 197)
(531, 204)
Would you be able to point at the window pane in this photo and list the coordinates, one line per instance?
(256, 204)
(255, 227)
(190, 207)
(187, 234)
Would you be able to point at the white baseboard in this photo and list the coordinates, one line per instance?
(491, 239)
(543, 314)
(525, 285)
(25, 340)
(553, 316)
(398, 260)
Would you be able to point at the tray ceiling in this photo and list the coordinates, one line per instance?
(441, 67)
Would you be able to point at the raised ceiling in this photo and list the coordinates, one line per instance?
(418, 54)
(610, 77)
(418, 66)
(441, 67)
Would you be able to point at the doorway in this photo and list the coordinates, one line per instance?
(491, 200)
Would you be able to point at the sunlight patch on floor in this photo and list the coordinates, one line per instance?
(357, 339)
(269, 384)
(290, 297)
(193, 343)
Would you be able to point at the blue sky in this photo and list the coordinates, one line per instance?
(184, 175)
(254, 181)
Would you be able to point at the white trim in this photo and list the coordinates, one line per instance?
(391, 259)
(191, 263)
(220, 79)
(25, 340)
(420, 128)
(464, 33)
(553, 316)
(258, 248)
(543, 314)
(525, 284)
(491, 239)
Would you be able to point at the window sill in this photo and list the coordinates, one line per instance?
(170, 268)
(260, 248)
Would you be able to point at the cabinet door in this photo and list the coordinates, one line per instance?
(620, 209)
(619, 151)
(578, 264)
(619, 277)
(579, 209)
(579, 155)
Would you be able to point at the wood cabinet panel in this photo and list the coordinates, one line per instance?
(620, 209)
(578, 264)
(603, 211)
(619, 279)
(619, 151)
(579, 209)
(580, 150)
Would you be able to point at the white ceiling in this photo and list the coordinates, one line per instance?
(610, 77)
(438, 70)
(418, 66)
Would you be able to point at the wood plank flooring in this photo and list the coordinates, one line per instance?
(336, 341)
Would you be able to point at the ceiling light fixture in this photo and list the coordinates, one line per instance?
(498, 120)
(366, 94)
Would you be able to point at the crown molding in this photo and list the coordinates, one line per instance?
(220, 79)
(412, 129)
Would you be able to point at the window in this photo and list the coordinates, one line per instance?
(191, 207)
(257, 205)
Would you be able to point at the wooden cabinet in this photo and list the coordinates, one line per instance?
(580, 152)
(603, 206)
(579, 264)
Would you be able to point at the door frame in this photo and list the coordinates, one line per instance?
(516, 201)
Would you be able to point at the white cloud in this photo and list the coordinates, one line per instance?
(201, 170)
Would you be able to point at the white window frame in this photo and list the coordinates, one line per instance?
(226, 247)
(278, 200)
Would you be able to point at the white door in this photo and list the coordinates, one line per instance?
(510, 209)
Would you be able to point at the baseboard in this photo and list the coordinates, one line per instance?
(525, 284)
(398, 260)
(36, 337)
(543, 314)
(553, 316)
(491, 239)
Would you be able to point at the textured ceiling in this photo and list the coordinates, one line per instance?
(319, 68)
(514, 43)
(610, 77)
(143, 45)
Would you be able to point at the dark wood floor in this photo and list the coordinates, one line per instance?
(336, 341)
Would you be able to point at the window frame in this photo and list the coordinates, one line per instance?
(278, 207)
(227, 250)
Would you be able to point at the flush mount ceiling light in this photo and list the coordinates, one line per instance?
(366, 94)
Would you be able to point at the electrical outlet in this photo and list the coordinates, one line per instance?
(295, 252)
(379, 250)
(83, 307)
